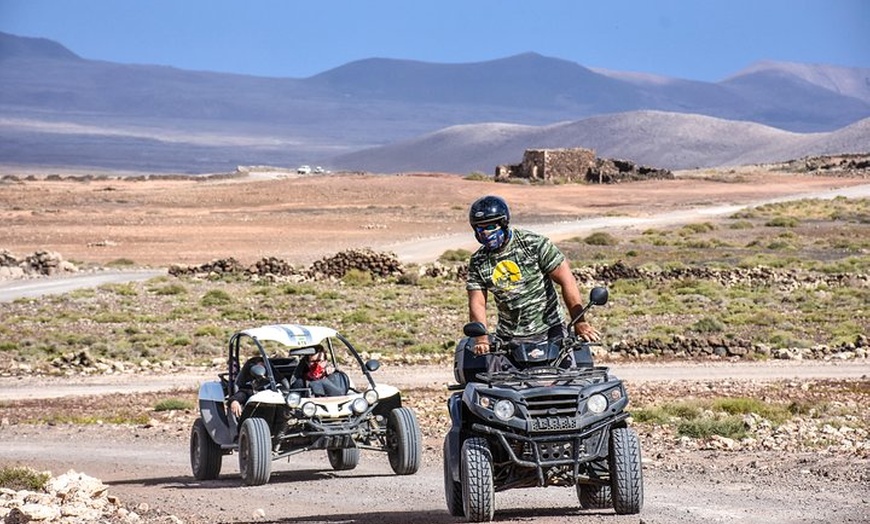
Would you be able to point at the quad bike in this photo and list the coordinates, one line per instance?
(281, 419)
(539, 426)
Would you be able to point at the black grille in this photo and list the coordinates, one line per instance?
(552, 405)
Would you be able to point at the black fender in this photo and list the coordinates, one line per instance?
(454, 436)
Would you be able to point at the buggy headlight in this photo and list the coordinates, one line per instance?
(596, 403)
(504, 409)
(293, 400)
(309, 409)
(371, 396)
(359, 405)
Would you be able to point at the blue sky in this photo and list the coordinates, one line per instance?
(693, 39)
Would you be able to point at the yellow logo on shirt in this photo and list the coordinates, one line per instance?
(505, 274)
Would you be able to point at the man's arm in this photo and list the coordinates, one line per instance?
(477, 313)
(563, 276)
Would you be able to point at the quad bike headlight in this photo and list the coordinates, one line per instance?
(309, 409)
(359, 405)
(293, 400)
(504, 409)
(597, 403)
(371, 396)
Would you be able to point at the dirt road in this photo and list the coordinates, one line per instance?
(150, 464)
(147, 466)
(435, 376)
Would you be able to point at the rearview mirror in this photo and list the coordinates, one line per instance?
(598, 296)
(258, 371)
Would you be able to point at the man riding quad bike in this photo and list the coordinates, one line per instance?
(302, 388)
(539, 424)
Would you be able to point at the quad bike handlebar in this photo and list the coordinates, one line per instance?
(598, 296)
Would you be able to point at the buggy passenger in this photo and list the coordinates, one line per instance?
(316, 373)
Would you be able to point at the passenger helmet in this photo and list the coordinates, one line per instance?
(490, 211)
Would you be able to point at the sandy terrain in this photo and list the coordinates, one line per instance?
(300, 219)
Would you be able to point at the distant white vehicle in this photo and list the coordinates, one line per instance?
(303, 170)
(318, 170)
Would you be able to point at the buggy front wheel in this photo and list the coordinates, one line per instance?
(255, 452)
(404, 446)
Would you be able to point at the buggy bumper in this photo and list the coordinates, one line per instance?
(356, 432)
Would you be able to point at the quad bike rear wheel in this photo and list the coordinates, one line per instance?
(595, 496)
(452, 489)
(205, 455)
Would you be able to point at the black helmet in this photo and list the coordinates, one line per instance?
(486, 212)
(489, 209)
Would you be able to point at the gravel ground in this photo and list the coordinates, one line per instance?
(813, 469)
(799, 475)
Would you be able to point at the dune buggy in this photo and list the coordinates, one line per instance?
(284, 415)
(539, 426)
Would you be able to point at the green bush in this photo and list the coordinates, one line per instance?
(455, 255)
(601, 238)
(782, 222)
(171, 289)
(477, 176)
(215, 297)
(23, 478)
(702, 227)
(742, 406)
(729, 427)
(173, 404)
(120, 262)
(357, 277)
(708, 325)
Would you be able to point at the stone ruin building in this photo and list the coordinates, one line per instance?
(575, 165)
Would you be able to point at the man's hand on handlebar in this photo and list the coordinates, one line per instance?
(481, 345)
(586, 332)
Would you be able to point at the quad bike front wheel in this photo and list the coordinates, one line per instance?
(478, 491)
(452, 489)
(255, 452)
(343, 459)
(626, 476)
(205, 456)
(404, 442)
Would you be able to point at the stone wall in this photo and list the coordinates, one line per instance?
(575, 165)
(38, 263)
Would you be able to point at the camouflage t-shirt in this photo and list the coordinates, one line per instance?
(517, 276)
